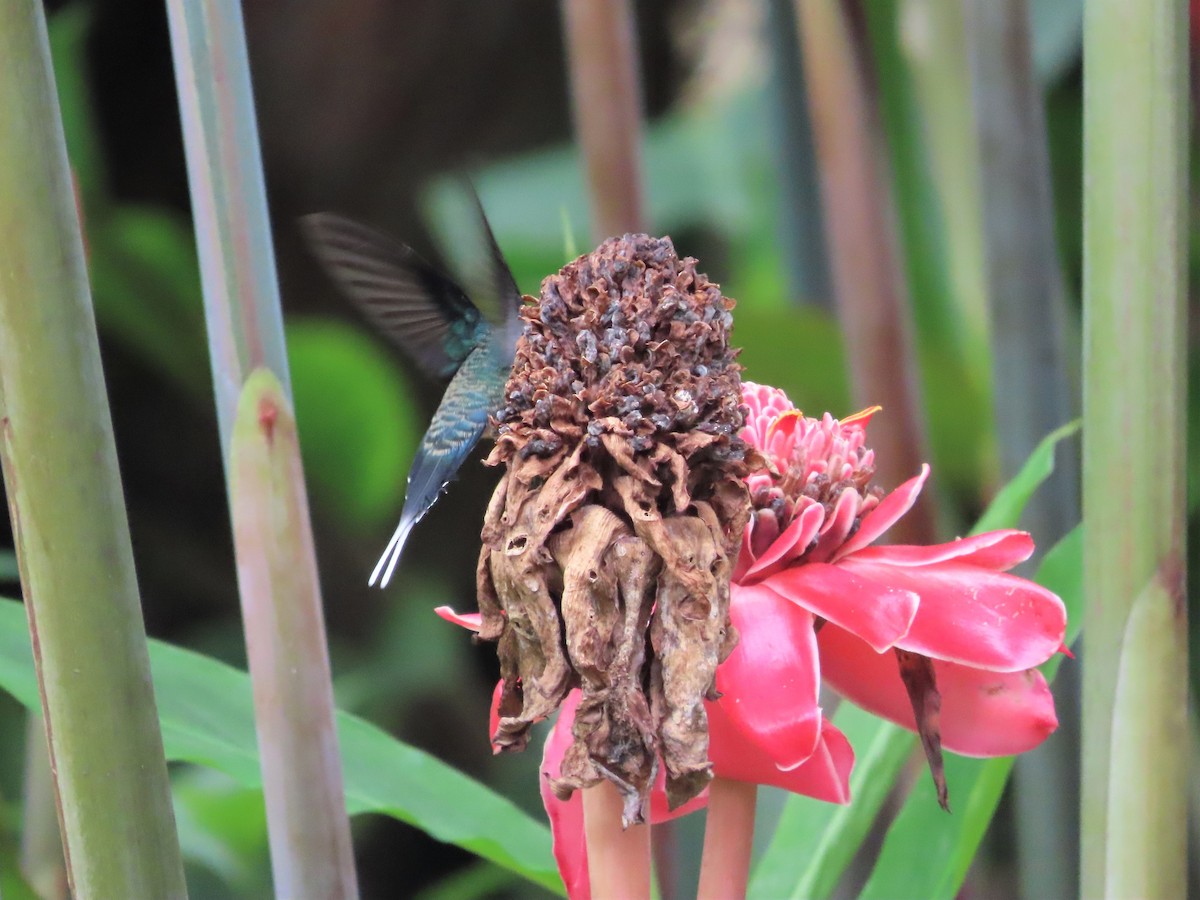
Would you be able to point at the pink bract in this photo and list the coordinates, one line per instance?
(766, 728)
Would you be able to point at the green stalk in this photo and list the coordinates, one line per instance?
(309, 831)
(931, 35)
(1032, 393)
(861, 237)
(42, 862)
(67, 509)
(606, 105)
(1135, 730)
(801, 234)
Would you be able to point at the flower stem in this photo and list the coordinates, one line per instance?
(618, 859)
(307, 824)
(607, 107)
(66, 504)
(728, 839)
(1135, 737)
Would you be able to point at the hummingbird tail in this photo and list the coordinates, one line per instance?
(391, 556)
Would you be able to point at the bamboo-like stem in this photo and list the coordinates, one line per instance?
(607, 108)
(931, 34)
(871, 296)
(42, 862)
(606, 105)
(1032, 386)
(801, 234)
(1134, 810)
(309, 831)
(67, 509)
(618, 860)
(728, 839)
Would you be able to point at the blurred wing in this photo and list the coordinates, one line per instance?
(491, 281)
(413, 304)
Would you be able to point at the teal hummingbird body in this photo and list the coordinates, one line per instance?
(434, 321)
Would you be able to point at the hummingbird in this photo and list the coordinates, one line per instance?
(434, 321)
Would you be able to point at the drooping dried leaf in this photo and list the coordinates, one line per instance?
(916, 671)
(606, 557)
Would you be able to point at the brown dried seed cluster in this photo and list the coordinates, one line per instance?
(607, 545)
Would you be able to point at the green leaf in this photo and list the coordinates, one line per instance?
(813, 379)
(479, 880)
(207, 718)
(144, 275)
(927, 852)
(69, 30)
(9, 572)
(223, 827)
(1005, 509)
(358, 423)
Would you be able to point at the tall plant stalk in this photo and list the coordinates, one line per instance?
(42, 862)
(932, 37)
(67, 509)
(871, 296)
(1135, 189)
(606, 105)
(309, 831)
(1032, 386)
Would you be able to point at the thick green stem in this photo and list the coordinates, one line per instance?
(1032, 386)
(42, 861)
(607, 107)
(931, 34)
(871, 296)
(309, 831)
(67, 508)
(1135, 190)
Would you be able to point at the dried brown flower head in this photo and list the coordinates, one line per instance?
(607, 546)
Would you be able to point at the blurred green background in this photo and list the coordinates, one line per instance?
(363, 107)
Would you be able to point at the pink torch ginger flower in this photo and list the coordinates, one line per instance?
(818, 756)
(965, 635)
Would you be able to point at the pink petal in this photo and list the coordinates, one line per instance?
(884, 516)
(985, 619)
(983, 713)
(771, 680)
(466, 620)
(995, 550)
(872, 608)
(825, 775)
(494, 711)
(791, 543)
(566, 816)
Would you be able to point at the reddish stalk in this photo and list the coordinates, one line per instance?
(607, 108)
(871, 297)
(601, 43)
(728, 839)
(618, 859)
